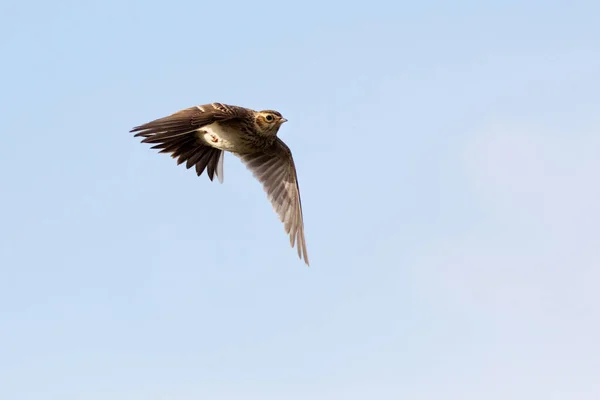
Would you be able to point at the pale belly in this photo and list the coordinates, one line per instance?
(222, 137)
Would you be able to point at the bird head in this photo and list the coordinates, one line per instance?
(269, 121)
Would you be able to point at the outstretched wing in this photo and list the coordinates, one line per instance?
(188, 120)
(275, 169)
(176, 134)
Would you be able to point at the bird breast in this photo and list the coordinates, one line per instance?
(223, 137)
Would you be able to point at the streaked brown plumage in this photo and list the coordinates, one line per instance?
(200, 135)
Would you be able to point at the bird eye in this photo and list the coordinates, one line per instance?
(269, 118)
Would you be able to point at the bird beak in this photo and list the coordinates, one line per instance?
(282, 120)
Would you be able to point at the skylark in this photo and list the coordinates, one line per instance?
(200, 135)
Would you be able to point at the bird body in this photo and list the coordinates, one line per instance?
(233, 137)
(200, 136)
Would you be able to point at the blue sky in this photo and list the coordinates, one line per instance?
(448, 163)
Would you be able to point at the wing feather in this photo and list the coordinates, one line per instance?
(188, 120)
(274, 168)
(176, 134)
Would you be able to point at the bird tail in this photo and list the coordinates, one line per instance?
(186, 147)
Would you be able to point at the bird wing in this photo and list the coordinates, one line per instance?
(188, 120)
(172, 135)
(274, 168)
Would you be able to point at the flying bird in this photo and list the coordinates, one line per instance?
(200, 136)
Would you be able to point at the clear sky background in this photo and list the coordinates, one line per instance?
(448, 158)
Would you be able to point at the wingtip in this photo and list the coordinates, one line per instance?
(135, 128)
(305, 256)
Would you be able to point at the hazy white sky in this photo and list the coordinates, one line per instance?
(448, 163)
